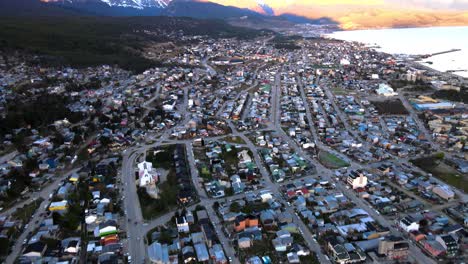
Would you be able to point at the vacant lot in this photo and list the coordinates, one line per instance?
(443, 171)
(390, 107)
(331, 161)
(234, 139)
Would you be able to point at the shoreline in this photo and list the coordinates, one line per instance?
(409, 61)
(409, 53)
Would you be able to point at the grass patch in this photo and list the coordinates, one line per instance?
(339, 91)
(162, 157)
(234, 139)
(438, 168)
(331, 161)
(25, 213)
(168, 190)
(152, 208)
(230, 160)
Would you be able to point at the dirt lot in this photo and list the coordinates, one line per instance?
(390, 107)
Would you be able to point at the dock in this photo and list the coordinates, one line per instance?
(438, 53)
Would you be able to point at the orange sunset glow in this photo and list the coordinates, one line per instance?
(352, 14)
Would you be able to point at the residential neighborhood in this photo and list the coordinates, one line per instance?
(240, 151)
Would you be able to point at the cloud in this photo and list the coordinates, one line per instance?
(458, 5)
(359, 14)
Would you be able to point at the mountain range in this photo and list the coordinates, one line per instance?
(264, 16)
(348, 14)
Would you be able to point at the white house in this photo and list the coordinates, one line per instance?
(182, 224)
(409, 224)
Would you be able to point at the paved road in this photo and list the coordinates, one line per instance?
(36, 219)
(136, 232)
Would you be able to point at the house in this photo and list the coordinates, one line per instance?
(58, 206)
(182, 224)
(244, 242)
(267, 218)
(393, 247)
(202, 252)
(188, 254)
(293, 257)
(35, 251)
(338, 252)
(242, 222)
(408, 224)
(282, 241)
(158, 253)
(237, 185)
(282, 244)
(202, 216)
(71, 245)
(356, 179)
(449, 243)
(444, 192)
(434, 248)
(217, 254)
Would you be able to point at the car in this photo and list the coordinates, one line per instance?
(25, 241)
(230, 259)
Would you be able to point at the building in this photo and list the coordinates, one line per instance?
(434, 106)
(244, 242)
(146, 175)
(449, 243)
(444, 192)
(243, 222)
(434, 248)
(58, 206)
(385, 90)
(357, 179)
(158, 253)
(393, 247)
(34, 251)
(182, 224)
(408, 224)
(202, 252)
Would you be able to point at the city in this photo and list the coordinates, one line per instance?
(275, 149)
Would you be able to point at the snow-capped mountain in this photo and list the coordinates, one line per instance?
(140, 4)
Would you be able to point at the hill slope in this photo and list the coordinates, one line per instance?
(86, 41)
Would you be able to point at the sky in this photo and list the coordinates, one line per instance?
(363, 14)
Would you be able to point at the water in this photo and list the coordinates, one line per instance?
(417, 41)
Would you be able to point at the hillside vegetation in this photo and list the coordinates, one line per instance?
(89, 41)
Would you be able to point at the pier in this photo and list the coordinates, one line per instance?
(438, 53)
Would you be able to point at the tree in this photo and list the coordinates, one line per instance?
(235, 207)
(4, 246)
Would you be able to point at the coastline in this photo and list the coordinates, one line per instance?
(409, 43)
